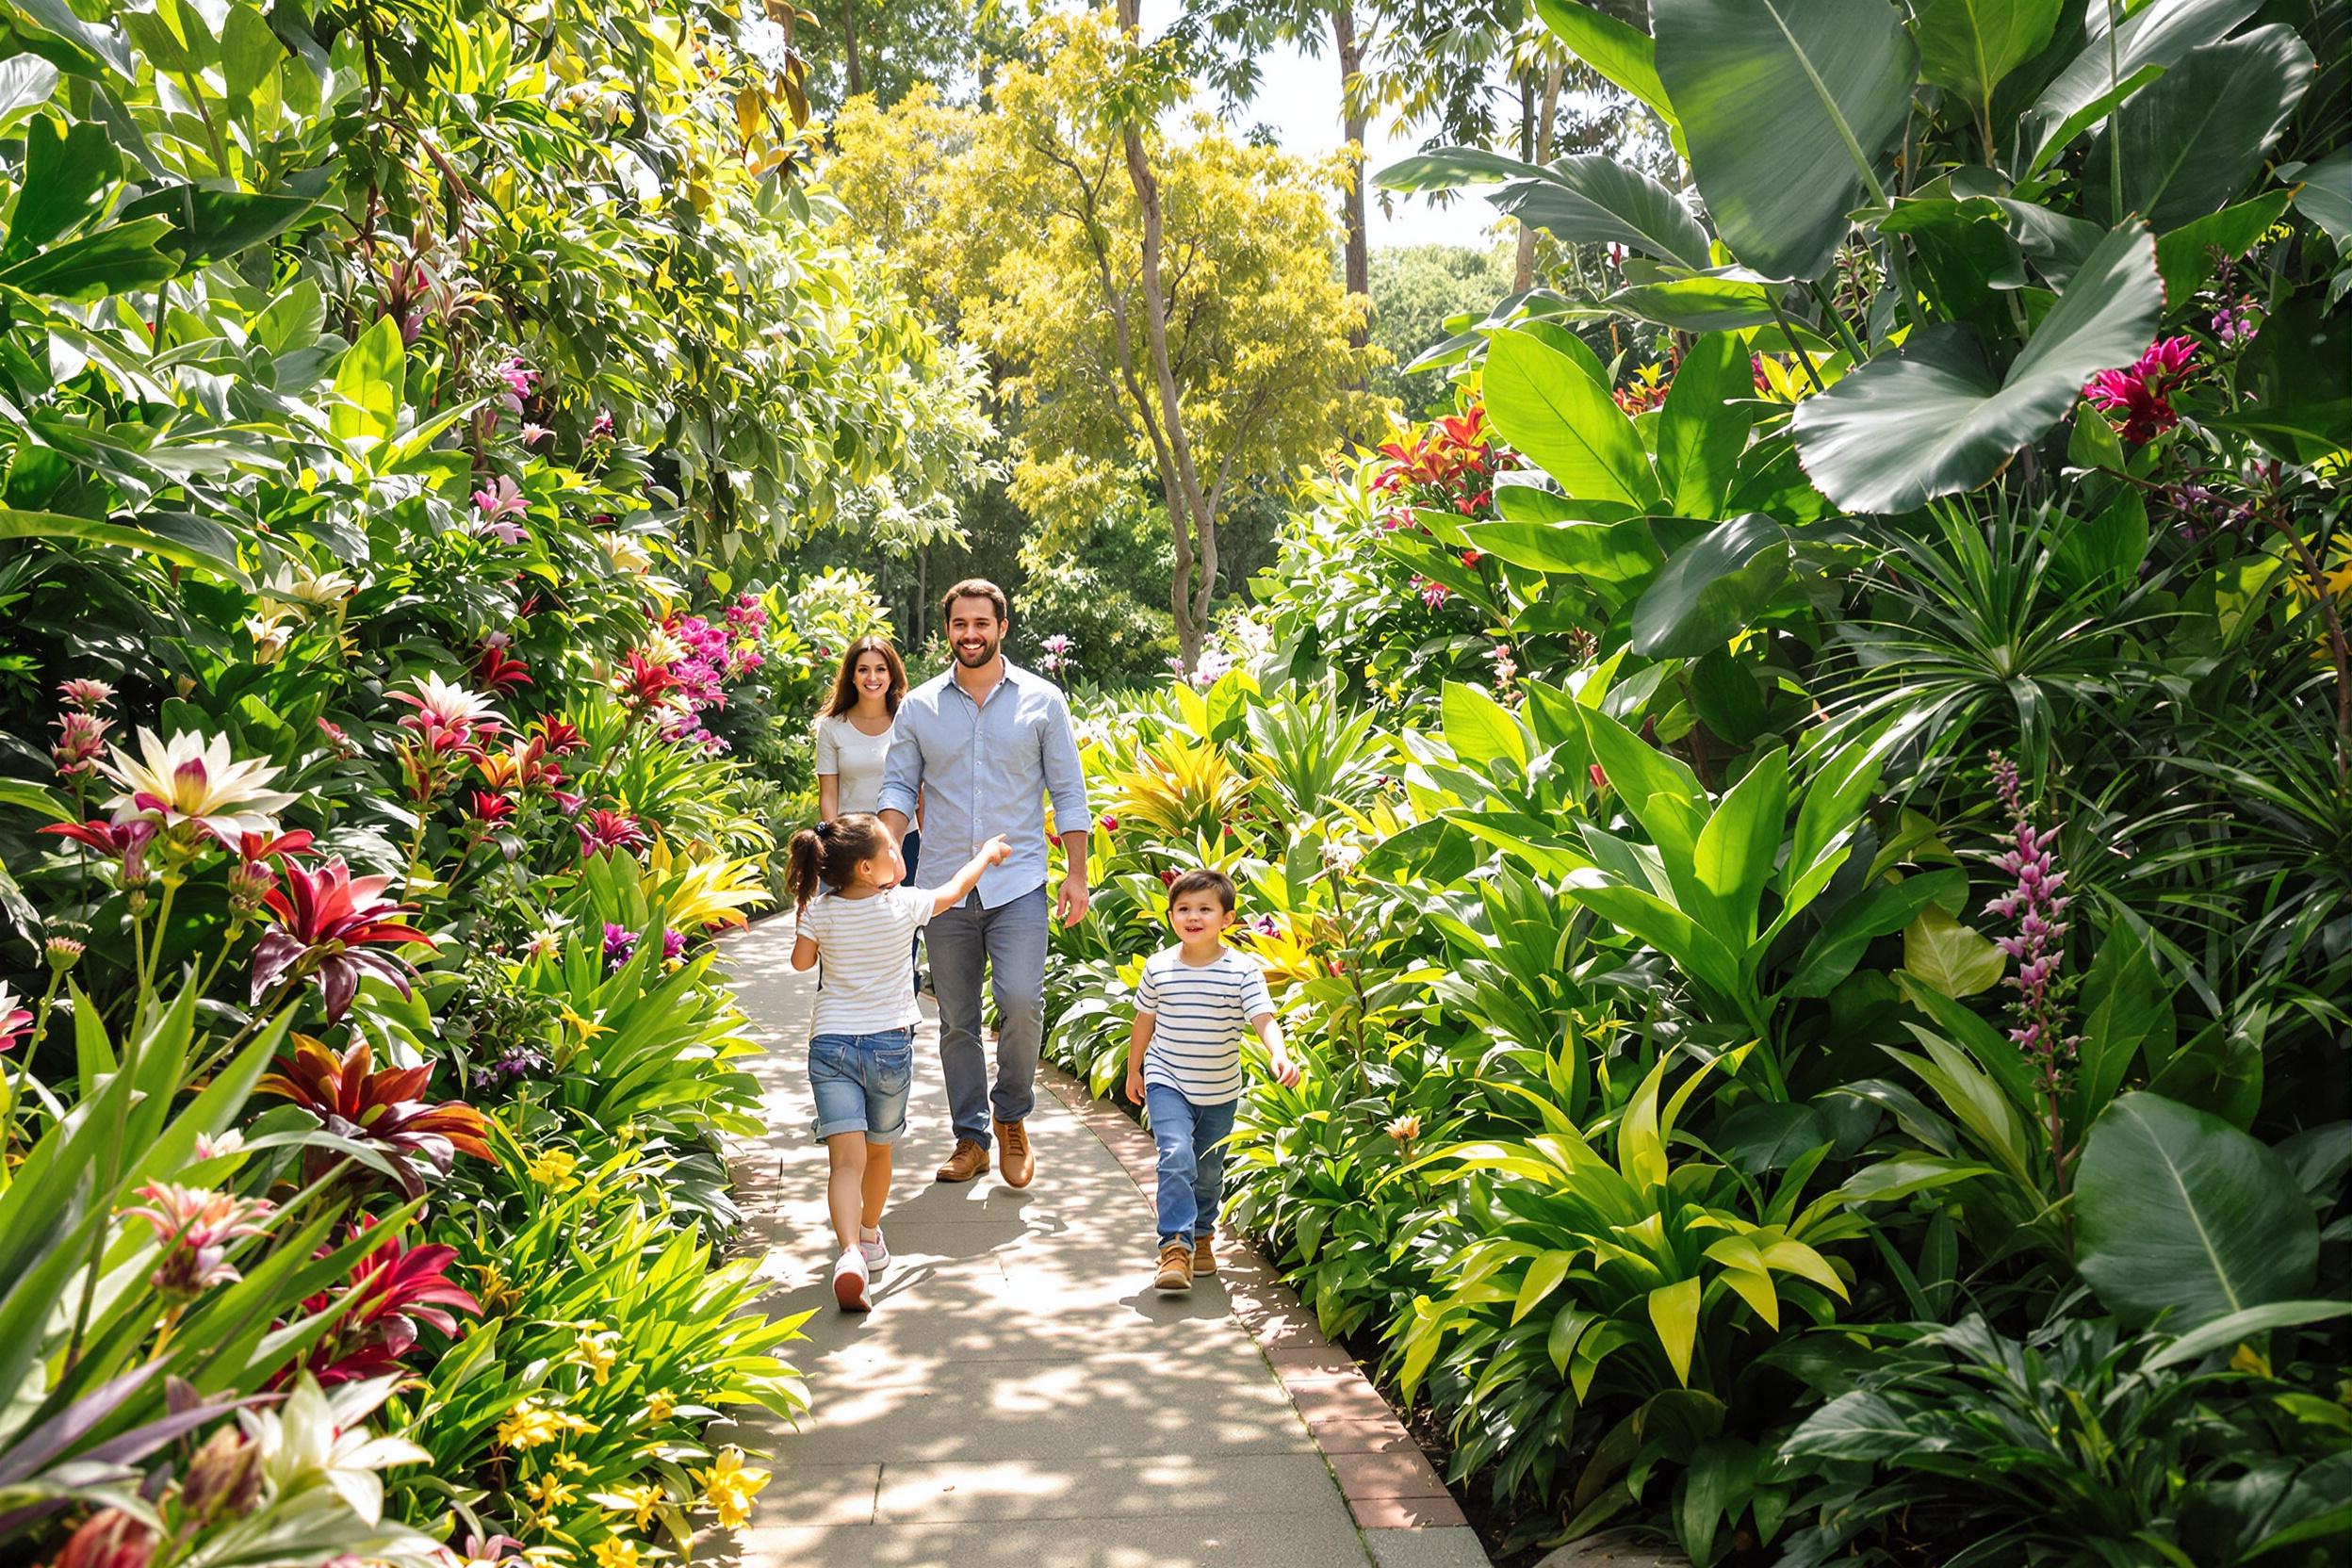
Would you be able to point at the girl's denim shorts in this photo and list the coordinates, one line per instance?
(860, 1083)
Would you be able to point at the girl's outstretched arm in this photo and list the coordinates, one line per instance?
(995, 852)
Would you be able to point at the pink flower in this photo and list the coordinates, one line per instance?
(519, 379)
(86, 695)
(497, 504)
(14, 1019)
(601, 831)
(81, 736)
(196, 1225)
(328, 928)
(1433, 593)
(2142, 394)
(534, 434)
(600, 429)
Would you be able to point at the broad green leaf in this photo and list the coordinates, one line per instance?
(1744, 1271)
(1787, 105)
(1568, 1326)
(1860, 1425)
(1543, 1275)
(1480, 728)
(1971, 47)
(1601, 552)
(1935, 420)
(177, 537)
(1674, 1314)
(1966, 256)
(1588, 199)
(293, 321)
(1738, 844)
(2153, 36)
(2192, 140)
(1643, 914)
(65, 167)
(250, 52)
(173, 36)
(1451, 167)
(368, 384)
(50, 29)
(1623, 54)
(1660, 790)
(1949, 955)
(211, 225)
(117, 259)
(1975, 1099)
(1721, 300)
(1988, 1047)
(2126, 1010)
(1712, 588)
(2237, 1327)
(1546, 405)
(2324, 195)
(1704, 427)
(2188, 255)
(1876, 911)
(2180, 1214)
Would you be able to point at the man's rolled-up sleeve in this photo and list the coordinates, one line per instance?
(901, 773)
(1065, 775)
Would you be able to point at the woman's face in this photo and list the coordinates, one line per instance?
(872, 676)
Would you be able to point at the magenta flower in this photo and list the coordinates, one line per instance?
(2038, 908)
(601, 427)
(81, 737)
(14, 1021)
(1433, 593)
(2143, 393)
(519, 379)
(498, 505)
(329, 929)
(601, 831)
(620, 942)
(673, 944)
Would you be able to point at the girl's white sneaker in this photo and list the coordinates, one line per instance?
(849, 1281)
(877, 1252)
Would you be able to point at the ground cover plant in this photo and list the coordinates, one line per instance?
(400, 412)
(1801, 830)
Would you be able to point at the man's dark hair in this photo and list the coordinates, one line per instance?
(974, 588)
(1202, 881)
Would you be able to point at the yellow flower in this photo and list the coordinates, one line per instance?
(587, 1029)
(597, 1352)
(637, 1499)
(554, 1170)
(550, 1492)
(527, 1424)
(729, 1487)
(566, 1459)
(614, 1552)
(659, 1407)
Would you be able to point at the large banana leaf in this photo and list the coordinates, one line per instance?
(1971, 47)
(2182, 1214)
(1587, 199)
(2150, 41)
(1936, 419)
(1547, 403)
(1787, 105)
(2190, 141)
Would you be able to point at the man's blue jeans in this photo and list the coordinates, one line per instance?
(1192, 1161)
(1008, 943)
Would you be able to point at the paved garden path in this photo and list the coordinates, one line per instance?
(1019, 1396)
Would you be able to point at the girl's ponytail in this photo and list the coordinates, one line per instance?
(801, 858)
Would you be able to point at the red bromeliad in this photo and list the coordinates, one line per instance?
(393, 1289)
(327, 927)
(380, 1108)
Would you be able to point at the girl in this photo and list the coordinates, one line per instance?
(861, 1049)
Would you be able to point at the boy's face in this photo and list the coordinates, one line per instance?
(1196, 917)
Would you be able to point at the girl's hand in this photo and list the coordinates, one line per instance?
(996, 851)
(1286, 1070)
(1134, 1084)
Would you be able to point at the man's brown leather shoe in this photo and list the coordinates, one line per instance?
(969, 1160)
(1015, 1163)
(1175, 1275)
(1204, 1255)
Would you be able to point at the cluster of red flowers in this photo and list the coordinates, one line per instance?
(2143, 393)
(1448, 464)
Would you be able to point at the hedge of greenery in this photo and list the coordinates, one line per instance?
(396, 409)
(1813, 877)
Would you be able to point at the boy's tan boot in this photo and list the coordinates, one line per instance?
(1204, 1254)
(1175, 1274)
(1016, 1166)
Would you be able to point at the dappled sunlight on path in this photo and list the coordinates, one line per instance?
(1018, 1395)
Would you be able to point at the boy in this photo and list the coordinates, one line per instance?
(1183, 1064)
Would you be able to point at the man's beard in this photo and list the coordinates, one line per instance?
(974, 661)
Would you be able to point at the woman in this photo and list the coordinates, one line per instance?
(853, 735)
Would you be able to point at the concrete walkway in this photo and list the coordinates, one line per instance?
(1019, 1396)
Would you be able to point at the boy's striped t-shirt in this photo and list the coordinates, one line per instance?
(1200, 1013)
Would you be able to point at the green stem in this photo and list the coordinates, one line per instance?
(1838, 320)
(1790, 334)
(212, 130)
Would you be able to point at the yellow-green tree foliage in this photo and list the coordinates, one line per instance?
(1021, 224)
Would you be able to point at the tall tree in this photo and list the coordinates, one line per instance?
(1154, 299)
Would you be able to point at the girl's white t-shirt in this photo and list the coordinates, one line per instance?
(865, 950)
(855, 758)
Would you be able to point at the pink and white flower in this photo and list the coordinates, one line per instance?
(193, 782)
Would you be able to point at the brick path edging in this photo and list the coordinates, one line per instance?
(1388, 1482)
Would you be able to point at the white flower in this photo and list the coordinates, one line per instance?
(195, 780)
(316, 1437)
(445, 705)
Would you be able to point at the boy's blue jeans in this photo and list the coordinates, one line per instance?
(1192, 1160)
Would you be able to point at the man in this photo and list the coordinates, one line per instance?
(982, 746)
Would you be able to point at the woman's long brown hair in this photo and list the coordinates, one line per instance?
(845, 682)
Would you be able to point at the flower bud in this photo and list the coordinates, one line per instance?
(224, 1478)
(64, 952)
(108, 1538)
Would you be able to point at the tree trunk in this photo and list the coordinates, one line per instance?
(1523, 273)
(849, 48)
(1192, 588)
(1352, 123)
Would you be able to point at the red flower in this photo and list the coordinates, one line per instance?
(378, 1108)
(2143, 394)
(489, 808)
(1472, 558)
(602, 830)
(325, 929)
(392, 1289)
(496, 670)
(646, 683)
(271, 846)
(1600, 778)
(119, 841)
(562, 735)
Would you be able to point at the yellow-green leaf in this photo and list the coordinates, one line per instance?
(1951, 956)
(1674, 1314)
(1543, 1277)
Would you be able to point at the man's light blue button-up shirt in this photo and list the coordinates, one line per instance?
(982, 769)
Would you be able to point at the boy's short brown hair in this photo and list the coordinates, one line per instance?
(1203, 880)
(975, 588)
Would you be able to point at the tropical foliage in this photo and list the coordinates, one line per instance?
(1800, 829)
